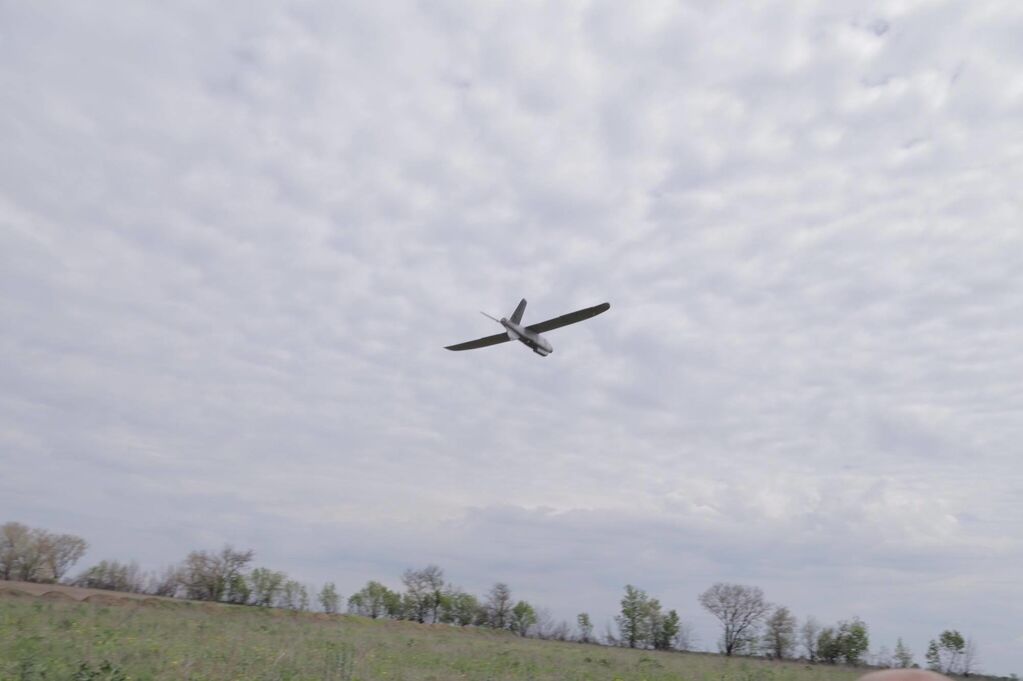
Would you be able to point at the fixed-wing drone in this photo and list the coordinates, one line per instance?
(530, 335)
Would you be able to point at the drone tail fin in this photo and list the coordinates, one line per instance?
(517, 315)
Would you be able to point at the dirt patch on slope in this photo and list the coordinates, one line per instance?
(56, 596)
(7, 592)
(104, 599)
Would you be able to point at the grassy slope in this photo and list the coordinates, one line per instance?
(51, 637)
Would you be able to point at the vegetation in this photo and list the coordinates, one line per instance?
(847, 642)
(952, 654)
(750, 625)
(779, 635)
(157, 640)
(903, 656)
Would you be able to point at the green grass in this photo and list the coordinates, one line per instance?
(48, 639)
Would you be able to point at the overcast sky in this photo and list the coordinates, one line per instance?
(235, 237)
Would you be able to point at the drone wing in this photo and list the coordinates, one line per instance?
(481, 342)
(570, 318)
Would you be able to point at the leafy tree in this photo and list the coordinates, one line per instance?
(585, 627)
(740, 610)
(238, 591)
(458, 607)
(848, 642)
(634, 620)
(642, 624)
(933, 658)
(329, 599)
(903, 655)
(293, 596)
(829, 648)
(498, 606)
(393, 607)
(214, 576)
(779, 634)
(265, 586)
(667, 631)
(854, 640)
(407, 610)
(945, 654)
(523, 617)
(111, 575)
(374, 600)
(652, 626)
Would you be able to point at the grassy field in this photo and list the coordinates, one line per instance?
(55, 637)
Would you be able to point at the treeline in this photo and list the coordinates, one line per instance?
(750, 625)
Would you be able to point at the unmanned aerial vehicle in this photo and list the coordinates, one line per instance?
(530, 335)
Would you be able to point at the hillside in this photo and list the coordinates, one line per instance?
(55, 632)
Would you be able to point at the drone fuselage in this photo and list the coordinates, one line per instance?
(530, 339)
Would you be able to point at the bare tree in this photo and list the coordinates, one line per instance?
(544, 625)
(740, 610)
(60, 552)
(498, 606)
(423, 590)
(884, 658)
(34, 555)
(686, 638)
(165, 582)
(609, 636)
(971, 658)
(809, 636)
(560, 632)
